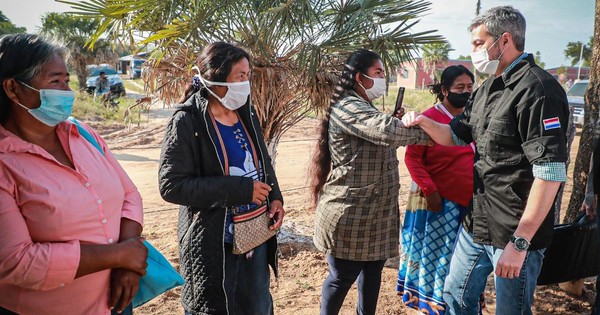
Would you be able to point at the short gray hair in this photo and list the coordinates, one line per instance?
(499, 20)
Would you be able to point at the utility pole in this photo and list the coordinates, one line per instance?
(580, 62)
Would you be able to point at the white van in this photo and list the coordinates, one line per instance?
(575, 95)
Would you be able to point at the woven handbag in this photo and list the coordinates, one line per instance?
(251, 229)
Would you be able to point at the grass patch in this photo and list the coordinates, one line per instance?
(135, 86)
(87, 109)
(418, 100)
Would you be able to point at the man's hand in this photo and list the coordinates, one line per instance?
(589, 205)
(510, 262)
(434, 201)
(124, 284)
(276, 213)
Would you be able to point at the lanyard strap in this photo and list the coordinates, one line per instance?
(224, 150)
(443, 109)
(254, 154)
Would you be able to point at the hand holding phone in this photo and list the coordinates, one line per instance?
(399, 100)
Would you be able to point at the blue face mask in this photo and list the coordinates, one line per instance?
(56, 106)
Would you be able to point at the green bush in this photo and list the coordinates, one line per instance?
(86, 108)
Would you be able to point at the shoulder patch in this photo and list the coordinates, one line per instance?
(551, 123)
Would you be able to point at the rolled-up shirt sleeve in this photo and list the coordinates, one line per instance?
(28, 264)
(550, 171)
(542, 125)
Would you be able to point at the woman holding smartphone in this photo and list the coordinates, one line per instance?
(356, 184)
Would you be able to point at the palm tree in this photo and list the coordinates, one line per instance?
(591, 110)
(434, 54)
(75, 32)
(297, 47)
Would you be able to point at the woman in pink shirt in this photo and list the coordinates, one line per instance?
(441, 190)
(70, 218)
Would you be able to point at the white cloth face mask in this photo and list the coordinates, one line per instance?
(481, 60)
(236, 96)
(378, 88)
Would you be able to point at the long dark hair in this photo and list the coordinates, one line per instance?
(22, 57)
(215, 64)
(448, 76)
(359, 61)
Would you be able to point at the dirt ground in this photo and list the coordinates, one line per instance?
(302, 267)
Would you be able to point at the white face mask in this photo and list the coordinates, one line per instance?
(377, 90)
(236, 96)
(482, 62)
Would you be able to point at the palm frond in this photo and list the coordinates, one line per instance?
(297, 46)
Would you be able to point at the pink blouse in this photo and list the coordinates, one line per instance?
(47, 210)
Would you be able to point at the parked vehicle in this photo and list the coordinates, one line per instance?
(116, 83)
(135, 70)
(575, 95)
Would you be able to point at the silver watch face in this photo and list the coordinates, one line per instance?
(521, 244)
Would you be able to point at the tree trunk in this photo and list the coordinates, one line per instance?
(571, 131)
(78, 61)
(272, 149)
(592, 99)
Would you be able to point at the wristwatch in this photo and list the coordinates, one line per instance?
(520, 244)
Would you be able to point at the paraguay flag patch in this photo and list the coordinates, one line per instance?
(551, 123)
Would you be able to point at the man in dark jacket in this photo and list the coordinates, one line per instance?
(518, 118)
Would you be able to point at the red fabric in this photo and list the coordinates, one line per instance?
(447, 169)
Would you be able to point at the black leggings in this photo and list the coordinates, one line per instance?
(342, 274)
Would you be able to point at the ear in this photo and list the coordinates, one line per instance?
(357, 78)
(506, 38)
(11, 86)
(444, 91)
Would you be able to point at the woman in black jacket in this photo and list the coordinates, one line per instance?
(213, 161)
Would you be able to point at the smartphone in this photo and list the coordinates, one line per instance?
(399, 100)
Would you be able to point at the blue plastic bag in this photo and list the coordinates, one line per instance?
(160, 277)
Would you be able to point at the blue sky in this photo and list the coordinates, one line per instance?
(551, 24)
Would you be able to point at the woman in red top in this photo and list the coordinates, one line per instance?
(441, 190)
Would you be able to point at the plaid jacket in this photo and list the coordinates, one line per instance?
(357, 216)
